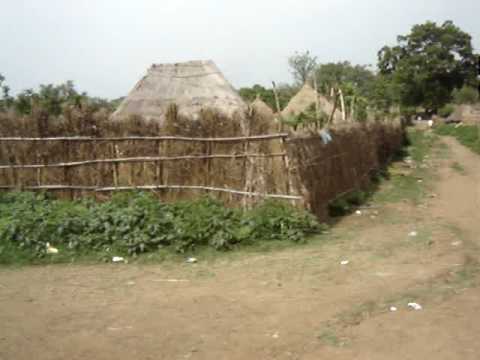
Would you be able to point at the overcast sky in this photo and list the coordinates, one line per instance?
(105, 46)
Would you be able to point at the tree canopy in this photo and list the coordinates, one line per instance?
(339, 74)
(285, 93)
(428, 64)
(50, 99)
(302, 65)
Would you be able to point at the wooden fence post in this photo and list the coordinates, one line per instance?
(39, 170)
(115, 165)
(158, 164)
(277, 104)
(66, 173)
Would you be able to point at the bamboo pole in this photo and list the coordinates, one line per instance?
(115, 165)
(131, 170)
(352, 111)
(248, 168)
(286, 163)
(335, 100)
(66, 172)
(141, 159)
(317, 100)
(158, 170)
(155, 187)
(39, 170)
(149, 138)
(165, 171)
(277, 104)
(342, 104)
(208, 163)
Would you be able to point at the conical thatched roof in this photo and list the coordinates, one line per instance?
(305, 99)
(469, 114)
(192, 86)
(261, 108)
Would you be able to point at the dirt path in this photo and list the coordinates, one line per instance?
(298, 303)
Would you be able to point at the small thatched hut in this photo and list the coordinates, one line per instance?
(305, 99)
(468, 114)
(261, 108)
(192, 86)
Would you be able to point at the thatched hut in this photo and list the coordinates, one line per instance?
(261, 108)
(305, 99)
(468, 114)
(191, 86)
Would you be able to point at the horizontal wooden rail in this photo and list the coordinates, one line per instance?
(141, 160)
(149, 138)
(153, 187)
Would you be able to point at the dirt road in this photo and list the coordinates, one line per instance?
(298, 303)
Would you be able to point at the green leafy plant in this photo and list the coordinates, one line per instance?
(136, 223)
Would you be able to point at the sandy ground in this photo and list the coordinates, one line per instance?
(298, 303)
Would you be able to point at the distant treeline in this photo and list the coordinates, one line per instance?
(430, 67)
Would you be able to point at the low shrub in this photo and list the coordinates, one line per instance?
(135, 223)
(446, 110)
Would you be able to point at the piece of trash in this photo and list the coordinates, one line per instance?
(393, 309)
(345, 262)
(276, 335)
(413, 234)
(456, 243)
(415, 306)
(131, 283)
(420, 181)
(50, 249)
(358, 212)
(117, 259)
(326, 136)
(191, 260)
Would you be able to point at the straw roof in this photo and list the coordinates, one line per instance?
(469, 114)
(304, 99)
(262, 109)
(192, 86)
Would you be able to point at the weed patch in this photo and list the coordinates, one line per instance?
(469, 136)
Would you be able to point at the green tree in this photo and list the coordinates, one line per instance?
(285, 93)
(428, 64)
(338, 74)
(50, 98)
(5, 99)
(384, 94)
(302, 66)
(465, 95)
